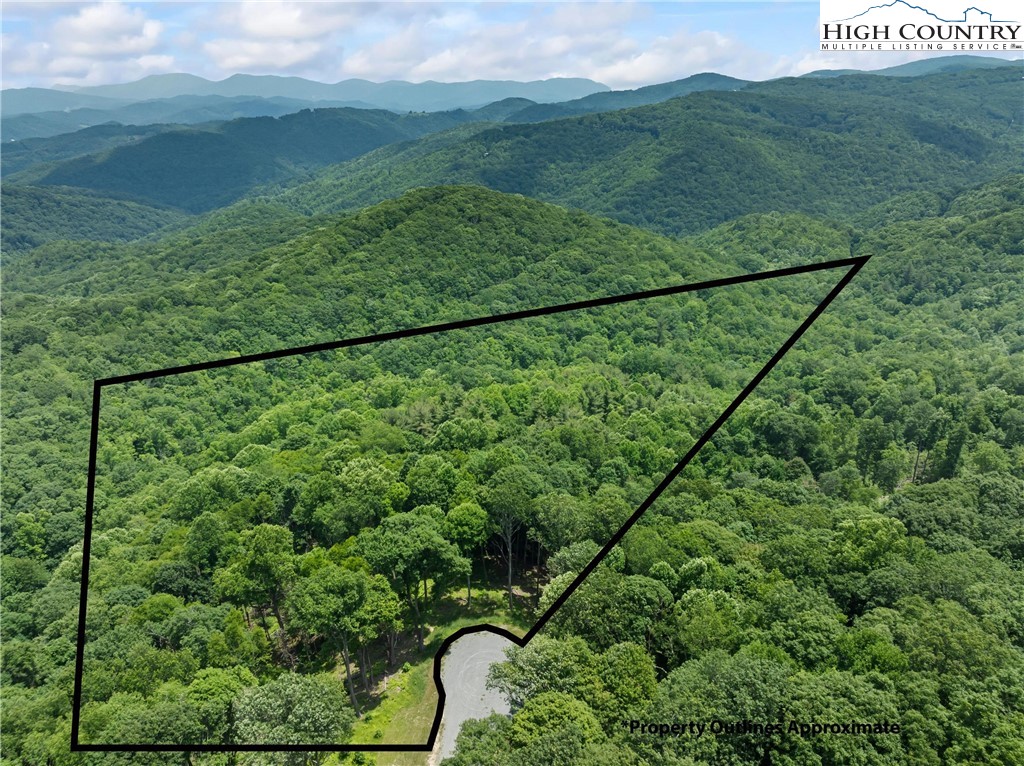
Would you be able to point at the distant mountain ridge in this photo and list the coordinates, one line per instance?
(397, 95)
(187, 99)
(686, 163)
(199, 168)
(183, 110)
(693, 162)
(15, 101)
(937, 65)
(624, 99)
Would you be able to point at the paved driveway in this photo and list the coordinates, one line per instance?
(464, 675)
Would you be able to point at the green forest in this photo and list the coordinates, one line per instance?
(830, 147)
(279, 547)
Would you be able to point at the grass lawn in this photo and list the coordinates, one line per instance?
(405, 711)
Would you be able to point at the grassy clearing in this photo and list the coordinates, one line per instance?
(404, 712)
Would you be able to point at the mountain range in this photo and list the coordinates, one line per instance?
(187, 99)
(684, 156)
(695, 161)
(847, 546)
(397, 95)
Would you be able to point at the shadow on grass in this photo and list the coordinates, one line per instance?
(404, 712)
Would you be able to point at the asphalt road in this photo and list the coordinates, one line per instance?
(464, 675)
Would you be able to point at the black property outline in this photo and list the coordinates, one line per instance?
(855, 264)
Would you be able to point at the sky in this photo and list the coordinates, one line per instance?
(620, 44)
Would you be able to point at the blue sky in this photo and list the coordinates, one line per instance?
(623, 45)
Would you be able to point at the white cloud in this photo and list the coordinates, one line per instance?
(684, 53)
(571, 40)
(310, 38)
(40, 59)
(624, 45)
(81, 44)
(106, 30)
(277, 20)
(610, 42)
(22, 10)
(454, 44)
(583, 17)
(390, 58)
(492, 52)
(238, 55)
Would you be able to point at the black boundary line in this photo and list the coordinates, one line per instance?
(462, 324)
(697, 446)
(856, 263)
(90, 496)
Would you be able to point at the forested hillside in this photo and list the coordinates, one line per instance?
(200, 169)
(280, 547)
(796, 145)
(513, 253)
(347, 499)
(848, 552)
(926, 66)
(885, 449)
(824, 147)
(35, 215)
(624, 99)
(179, 110)
(18, 155)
